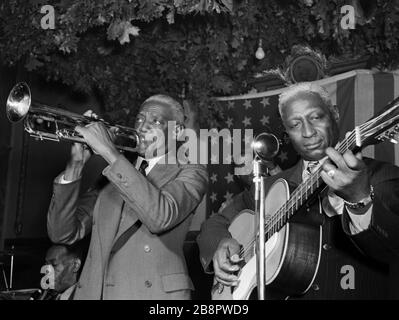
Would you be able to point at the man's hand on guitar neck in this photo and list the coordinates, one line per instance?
(347, 175)
(226, 262)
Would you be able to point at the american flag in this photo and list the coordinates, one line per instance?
(358, 94)
(260, 115)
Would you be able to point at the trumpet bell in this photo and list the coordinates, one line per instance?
(18, 102)
(47, 123)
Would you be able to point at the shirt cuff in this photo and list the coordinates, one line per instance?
(61, 179)
(359, 222)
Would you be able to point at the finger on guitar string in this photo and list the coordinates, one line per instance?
(353, 161)
(336, 158)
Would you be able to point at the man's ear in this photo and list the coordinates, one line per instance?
(335, 113)
(76, 264)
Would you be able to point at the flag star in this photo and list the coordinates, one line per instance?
(214, 159)
(228, 196)
(213, 197)
(229, 178)
(247, 104)
(229, 122)
(246, 121)
(265, 120)
(283, 156)
(230, 105)
(214, 178)
(265, 102)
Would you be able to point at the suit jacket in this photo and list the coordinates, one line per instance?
(151, 264)
(372, 255)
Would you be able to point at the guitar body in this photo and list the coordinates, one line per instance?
(292, 254)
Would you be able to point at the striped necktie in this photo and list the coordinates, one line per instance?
(311, 167)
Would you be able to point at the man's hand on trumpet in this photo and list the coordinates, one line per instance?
(80, 154)
(99, 139)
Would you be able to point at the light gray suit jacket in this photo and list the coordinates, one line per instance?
(151, 264)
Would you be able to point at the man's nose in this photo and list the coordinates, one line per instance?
(308, 130)
(142, 127)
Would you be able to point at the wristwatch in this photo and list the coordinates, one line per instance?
(362, 203)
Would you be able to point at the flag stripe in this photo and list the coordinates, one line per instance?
(346, 105)
(383, 94)
(332, 91)
(364, 105)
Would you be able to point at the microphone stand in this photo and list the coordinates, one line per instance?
(260, 212)
(12, 266)
(266, 147)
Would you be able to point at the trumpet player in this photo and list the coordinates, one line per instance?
(138, 221)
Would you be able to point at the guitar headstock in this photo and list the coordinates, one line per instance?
(382, 127)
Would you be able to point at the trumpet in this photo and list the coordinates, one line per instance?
(48, 123)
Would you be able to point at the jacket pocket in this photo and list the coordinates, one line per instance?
(176, 282)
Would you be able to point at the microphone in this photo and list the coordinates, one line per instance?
(266, 146)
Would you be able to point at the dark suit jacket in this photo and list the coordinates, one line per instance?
(151, 264)
(373, 253)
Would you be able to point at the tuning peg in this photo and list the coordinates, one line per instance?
(392, 137)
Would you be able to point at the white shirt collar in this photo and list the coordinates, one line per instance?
(151, 163)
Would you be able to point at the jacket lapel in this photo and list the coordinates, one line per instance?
(158, 176)
(111, 204)
(295, 173)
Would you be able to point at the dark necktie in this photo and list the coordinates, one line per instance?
(143, 166)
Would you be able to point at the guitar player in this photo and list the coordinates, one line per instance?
(359, 255)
